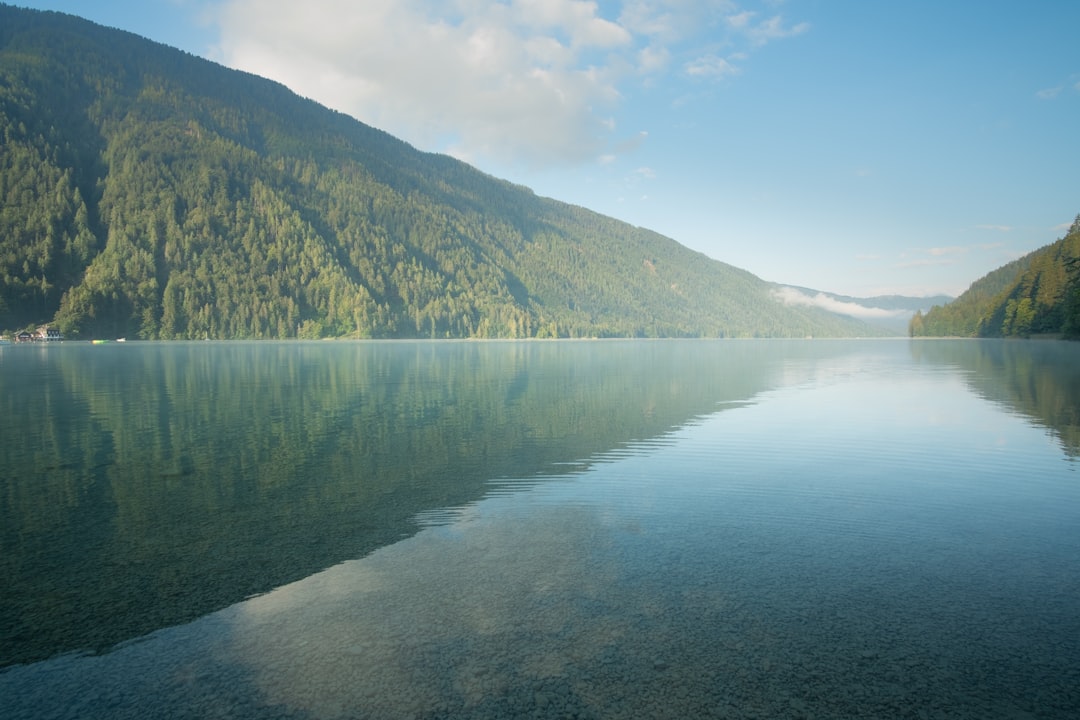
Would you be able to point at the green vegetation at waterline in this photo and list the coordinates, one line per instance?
(148, 193)
(1037, 294)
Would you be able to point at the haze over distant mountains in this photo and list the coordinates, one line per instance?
(150, 193)
(888, 311)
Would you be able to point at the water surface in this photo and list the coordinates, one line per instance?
(596, 530)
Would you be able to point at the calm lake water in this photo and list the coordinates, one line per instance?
(654, 529)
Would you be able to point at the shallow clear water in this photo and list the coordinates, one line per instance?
(595, 530)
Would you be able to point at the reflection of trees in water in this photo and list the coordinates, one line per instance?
(1038, 378)
(149, 484)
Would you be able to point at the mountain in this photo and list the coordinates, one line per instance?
(889, 312)
(1036, 294)
(149, 193)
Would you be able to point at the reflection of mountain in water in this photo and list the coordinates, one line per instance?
(1040, 378)
(146, 485)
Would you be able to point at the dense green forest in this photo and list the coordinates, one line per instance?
(1037, 294)
(149, 193)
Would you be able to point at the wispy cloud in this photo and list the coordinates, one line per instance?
(527, 82)
(774, 29)
(945, 255)
(794, 296)
(945, 251)
(740, 20)
(711, 66)
(1049, 93)
(924, 262)
(999, 228)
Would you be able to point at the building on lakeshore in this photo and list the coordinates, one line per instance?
(47, 333)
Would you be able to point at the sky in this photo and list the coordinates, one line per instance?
(851, 146)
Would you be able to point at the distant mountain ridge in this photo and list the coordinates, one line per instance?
(1038, 294)
(893, 312)
(150, 193)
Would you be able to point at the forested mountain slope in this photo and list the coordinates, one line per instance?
(1037, 294)
(149, 193)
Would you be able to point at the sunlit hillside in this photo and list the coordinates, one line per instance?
(149, 193)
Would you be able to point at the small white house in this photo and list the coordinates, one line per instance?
(48, 333)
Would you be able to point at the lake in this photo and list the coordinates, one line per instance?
(607, 529)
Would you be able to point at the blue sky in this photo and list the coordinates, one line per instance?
(853, 146)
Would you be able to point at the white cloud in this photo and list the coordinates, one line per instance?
(949, 255)
(711, 66)
(944, 251)
(525, 82)
(923, 263)
(1054, 91)
(765, 31)
(638, 176)
(669, 22)
(653, 59)
(740, 21)
(998, 228)
(576, 17)
(793, 296)
(773, 29)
